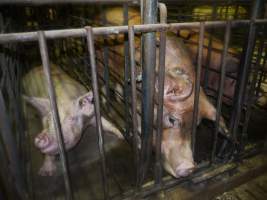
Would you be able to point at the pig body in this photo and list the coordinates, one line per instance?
(75, 107)
(178, 96)
(191, 38)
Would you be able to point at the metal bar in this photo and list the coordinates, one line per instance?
(51, 2)
(252, 94)
(245, 69)
(126, 91)
(148, 86)
(206, 70)
(161, 77)
(221, 88)
(55, 114)
(197, 85)
(134, 98)
(106, 60)
(91, 49)
(80, 32)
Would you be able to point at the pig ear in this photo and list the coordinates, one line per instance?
(85, 99)
(208, 111)
(85, 104)
(178, 85)
(41, 104)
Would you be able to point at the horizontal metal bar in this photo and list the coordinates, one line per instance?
(64, 33)
(45, 2)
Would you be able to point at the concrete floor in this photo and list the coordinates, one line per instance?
(254, 189)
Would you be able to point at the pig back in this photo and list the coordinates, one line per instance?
(66, 88)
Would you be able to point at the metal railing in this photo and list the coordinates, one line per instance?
(149, 30)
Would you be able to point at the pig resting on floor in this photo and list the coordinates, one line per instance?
(75, 107)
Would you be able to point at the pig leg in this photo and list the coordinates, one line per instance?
(108, 126)
(208, 111)
(49, 166)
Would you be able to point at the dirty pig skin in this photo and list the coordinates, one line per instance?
(178, 94)
(75, 107)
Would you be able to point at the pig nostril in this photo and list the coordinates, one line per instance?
(184, 172)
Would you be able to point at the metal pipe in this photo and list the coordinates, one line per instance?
(197, 85)
(134, 98)
(245, 69)
(221, 88)
(148, 86)
(51, 2)
(80, 32)
(161, 77)
(126, 87)
(55, 114)
(91, 49)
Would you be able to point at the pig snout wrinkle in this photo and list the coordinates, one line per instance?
(184, 169)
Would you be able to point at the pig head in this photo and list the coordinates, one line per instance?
(75, 107)
(179, 95)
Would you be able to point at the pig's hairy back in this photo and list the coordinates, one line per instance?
(66, 88)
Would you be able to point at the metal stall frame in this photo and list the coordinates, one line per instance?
(89, 33)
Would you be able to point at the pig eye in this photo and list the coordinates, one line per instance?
(175, 123)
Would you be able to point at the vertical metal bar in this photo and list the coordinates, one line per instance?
(106, 61)
(221, 87)
(197, 85)
(134, 98)
(161, 77)
(55, 114)
(148, 85)
(11, 149)
(245, 70)
(252, 93)
(206, 69)
(91, 49)
(126, 71)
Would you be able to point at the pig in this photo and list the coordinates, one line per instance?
(178, 97)
(190, 37)
(75, 107)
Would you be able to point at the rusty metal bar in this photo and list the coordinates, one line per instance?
(80, 32)
(55, 114)
(51, 2)
(148, 86)
(134, 99)
(197, 85)
(161, 77)
(245, 70)
(91, 49)
(126, 86)
(221, 88)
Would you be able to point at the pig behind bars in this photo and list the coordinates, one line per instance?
(75, 107)
(178, 95)
(190, 37)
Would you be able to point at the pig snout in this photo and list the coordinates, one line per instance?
(42, 141)
(184, 169)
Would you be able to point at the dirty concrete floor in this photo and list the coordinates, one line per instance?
(254, 189)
